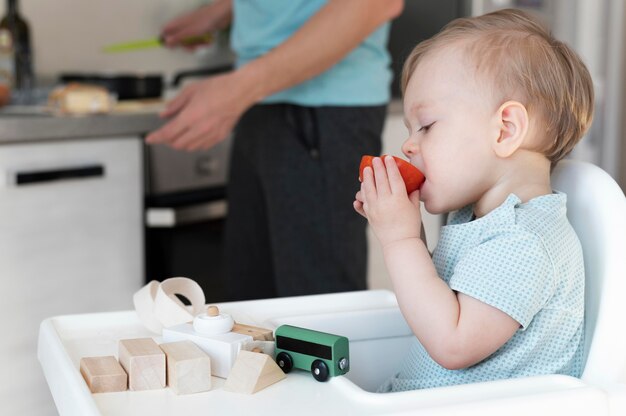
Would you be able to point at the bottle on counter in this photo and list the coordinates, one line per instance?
(16, 63)
(7, 58)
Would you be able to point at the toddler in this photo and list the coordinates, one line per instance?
(491, 104)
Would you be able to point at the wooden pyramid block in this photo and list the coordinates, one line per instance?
(252, 371)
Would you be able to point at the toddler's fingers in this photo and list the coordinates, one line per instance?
(380, 176)
(368, 187)
(358, 207)
(414, 197)
(396, 183)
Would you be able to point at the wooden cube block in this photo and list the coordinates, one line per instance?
(103, 374)
(144, 362)
(253, 371)
(188, 367)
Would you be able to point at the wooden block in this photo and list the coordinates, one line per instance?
(103, 374)
(144, 362)
(257, 334)
(188, 367)
(252, 372)
(222, 348)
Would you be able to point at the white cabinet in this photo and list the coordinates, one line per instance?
(394, 134)
(70, 241)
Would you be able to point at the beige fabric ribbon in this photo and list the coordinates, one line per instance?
(158, 306)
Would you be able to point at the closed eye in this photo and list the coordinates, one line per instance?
(425, 128)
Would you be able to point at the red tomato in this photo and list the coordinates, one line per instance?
(411, 175)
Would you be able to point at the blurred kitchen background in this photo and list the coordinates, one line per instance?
(131, 213)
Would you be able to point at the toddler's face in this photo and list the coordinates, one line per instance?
(450, 122)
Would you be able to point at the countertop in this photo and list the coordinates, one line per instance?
(20, 124)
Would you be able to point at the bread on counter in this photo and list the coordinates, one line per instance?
(76, 98)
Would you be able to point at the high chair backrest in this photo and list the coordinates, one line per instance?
(596, 208)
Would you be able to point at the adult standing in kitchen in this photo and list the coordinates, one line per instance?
(307, 100)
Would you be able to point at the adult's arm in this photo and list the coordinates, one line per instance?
(323, 41)
(205, 113)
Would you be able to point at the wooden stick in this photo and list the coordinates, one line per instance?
(257, 334)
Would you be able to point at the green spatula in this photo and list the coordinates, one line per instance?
(155, 43)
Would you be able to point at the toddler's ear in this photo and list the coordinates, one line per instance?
(513, 119)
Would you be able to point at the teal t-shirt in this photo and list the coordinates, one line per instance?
(362, 77)
(526, 260)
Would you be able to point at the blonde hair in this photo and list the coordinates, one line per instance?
(526, 63)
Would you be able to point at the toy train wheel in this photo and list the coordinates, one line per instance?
(284, 361)
(319, 369)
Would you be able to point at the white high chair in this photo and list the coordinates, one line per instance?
(379, 339)
(596, 208)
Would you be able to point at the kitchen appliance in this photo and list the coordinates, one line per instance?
(185, 214)
(185, 200)
(129, 86)
(124, 86)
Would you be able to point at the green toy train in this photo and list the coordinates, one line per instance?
(325, 355)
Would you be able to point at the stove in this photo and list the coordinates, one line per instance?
(186, 208)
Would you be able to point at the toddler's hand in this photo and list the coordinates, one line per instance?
(358, 203)
(383, 200)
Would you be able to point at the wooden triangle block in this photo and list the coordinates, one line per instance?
(253, 371)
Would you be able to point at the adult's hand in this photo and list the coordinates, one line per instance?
(204, 113)
(206, 19)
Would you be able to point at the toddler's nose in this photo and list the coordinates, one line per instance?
(410, 147)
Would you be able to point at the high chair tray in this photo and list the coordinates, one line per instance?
(379, 338)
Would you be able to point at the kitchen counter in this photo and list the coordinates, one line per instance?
(19, 124)
(24, 124)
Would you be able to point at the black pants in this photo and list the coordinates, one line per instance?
(291, 229)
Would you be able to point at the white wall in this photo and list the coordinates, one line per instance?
(68, 35)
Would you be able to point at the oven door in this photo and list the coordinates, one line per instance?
(186, 210)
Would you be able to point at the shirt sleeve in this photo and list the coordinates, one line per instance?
(511, 271)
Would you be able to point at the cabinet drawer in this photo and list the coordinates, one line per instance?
(70, 242)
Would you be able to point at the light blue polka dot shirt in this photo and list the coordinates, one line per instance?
(526, 260)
